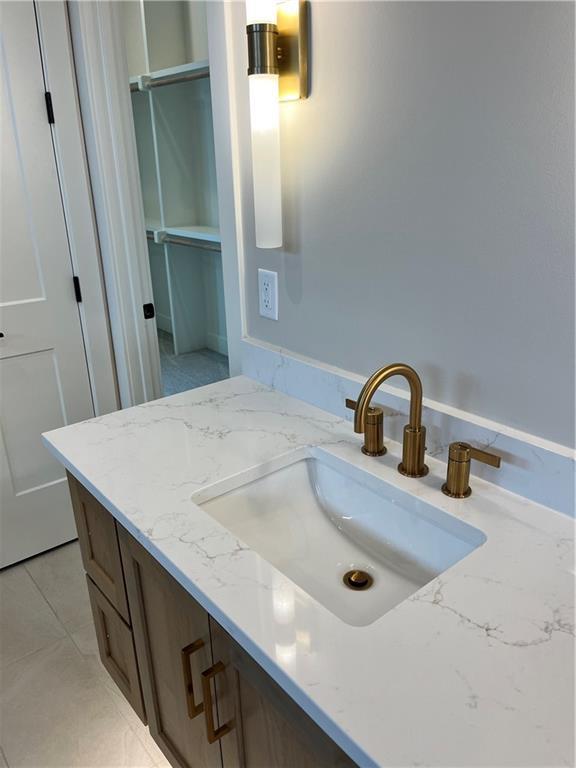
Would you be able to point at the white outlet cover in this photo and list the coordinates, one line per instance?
(268, 293)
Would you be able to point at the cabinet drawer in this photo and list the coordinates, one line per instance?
(116, 647)
(99, 546)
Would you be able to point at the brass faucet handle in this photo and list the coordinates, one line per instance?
(373, 410)
(464, 452)
(373, 429)
(486, 457)
(457, 483)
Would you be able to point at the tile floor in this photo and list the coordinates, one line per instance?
(58, 707)
(194, 369)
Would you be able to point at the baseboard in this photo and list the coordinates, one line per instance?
(164, 322)
(217, 343)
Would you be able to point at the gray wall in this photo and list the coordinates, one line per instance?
(428, 194)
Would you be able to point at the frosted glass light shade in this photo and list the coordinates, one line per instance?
(261, 12)
(265, 127)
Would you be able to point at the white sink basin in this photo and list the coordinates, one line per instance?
(315, 517)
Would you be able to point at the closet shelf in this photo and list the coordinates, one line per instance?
(170, 76)
(207, 238)
(210, 234)
(152, 225)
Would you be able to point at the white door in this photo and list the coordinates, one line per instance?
(43, 372)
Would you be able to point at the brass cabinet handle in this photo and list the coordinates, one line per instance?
(212, 733)
(193, 708)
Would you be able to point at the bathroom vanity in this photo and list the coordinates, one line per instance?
(207, 703)
(217, 530)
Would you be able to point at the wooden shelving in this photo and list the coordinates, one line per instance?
(170, 90)
(207, 238)
(152, 226)
(206, 234)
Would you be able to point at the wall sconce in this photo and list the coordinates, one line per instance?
(277, 71)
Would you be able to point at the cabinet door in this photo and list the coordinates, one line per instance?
(268, 729)
(99, 545)
(116, 647)
(172, 638)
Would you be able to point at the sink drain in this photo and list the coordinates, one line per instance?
(357, 580)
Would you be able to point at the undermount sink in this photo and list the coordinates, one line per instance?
(315, 518)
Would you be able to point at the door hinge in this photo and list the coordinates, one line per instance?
(148, 311)
(49, 107)
(77, 291)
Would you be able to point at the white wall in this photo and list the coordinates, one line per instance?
(215, 307)
(428, 198)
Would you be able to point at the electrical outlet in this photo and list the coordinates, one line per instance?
(268, 293)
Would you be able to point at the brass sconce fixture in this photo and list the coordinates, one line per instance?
(277, 35)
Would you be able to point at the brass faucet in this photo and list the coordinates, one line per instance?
(414, 443)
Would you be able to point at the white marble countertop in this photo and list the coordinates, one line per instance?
(477, 668)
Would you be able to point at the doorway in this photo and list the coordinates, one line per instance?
(166, 47)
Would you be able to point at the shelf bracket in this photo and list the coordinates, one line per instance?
(143, 82)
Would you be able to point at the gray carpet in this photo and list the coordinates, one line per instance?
(193, 369)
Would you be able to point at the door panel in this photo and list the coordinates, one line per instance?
(30, 463)
(116, 648)
(43, 373)
(268, 727)
(172, 638)
(99, 546)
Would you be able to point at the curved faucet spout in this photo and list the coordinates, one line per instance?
(378, 378)
(414, 442)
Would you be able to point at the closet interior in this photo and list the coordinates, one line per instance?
(167, 53)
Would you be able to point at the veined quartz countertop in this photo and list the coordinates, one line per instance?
(477, 668)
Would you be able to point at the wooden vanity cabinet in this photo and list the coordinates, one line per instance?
(116, 648)
(207, 702)
(99, 546)
(172, 636)
(100, 549)
(270, 729)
